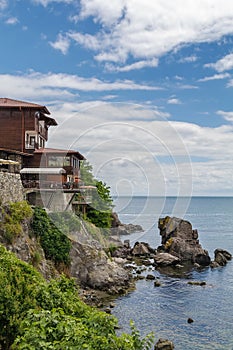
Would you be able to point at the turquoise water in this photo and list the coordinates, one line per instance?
(165, 310)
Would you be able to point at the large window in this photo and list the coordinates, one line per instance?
(58, 161)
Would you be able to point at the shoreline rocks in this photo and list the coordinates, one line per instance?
(120, 229)
(180, 240)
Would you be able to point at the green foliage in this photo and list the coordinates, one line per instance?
(67, 222)
(18, 287)
(13, 215)
(86, 173)
(138, 342)
(55, 243)
(35, 314)
(99, 212)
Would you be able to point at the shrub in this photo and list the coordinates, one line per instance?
(54, 242)
(13, 216)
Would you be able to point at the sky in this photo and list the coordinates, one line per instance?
(142, 89)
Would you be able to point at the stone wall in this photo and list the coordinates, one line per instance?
(11, 189)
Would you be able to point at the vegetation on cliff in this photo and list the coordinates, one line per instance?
(35, 314)
(99, 212)
(54, 242)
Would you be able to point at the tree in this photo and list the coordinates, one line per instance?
(99, 212)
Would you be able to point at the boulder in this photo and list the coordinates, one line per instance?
(164, 344)
(225, 253)
(221, 257)
(142, 249)
(180, 240)
(166, 259)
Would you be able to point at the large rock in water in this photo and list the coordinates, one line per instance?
(180, 240)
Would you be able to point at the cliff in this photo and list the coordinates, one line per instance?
(62, 243)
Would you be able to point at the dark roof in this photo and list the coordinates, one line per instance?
(10, 103)
(63, 152)
(11, 151)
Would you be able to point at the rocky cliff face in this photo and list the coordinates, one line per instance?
(90, 265)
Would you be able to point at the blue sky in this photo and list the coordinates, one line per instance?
(143, 91)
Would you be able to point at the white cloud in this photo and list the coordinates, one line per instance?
(174, 101)
(62, 44)
(134, 66)
(215, 77)
(225, 63)
(128, 29)
(35, 84)
(138, 148)
(12, 20)
(226, 115)
(188, 59)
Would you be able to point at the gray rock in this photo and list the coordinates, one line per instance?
(166, 259)
(224, 252)
(164, 344)
(142, 249)
(220, 259)
(180, 240)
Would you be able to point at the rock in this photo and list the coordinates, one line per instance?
(157, 283)
(225, 253)
(214, 264)
(142, 249)
(197, 283)
(180, 240)
(91, 267)
(164, 344)
(150, 277)
(115, 220)
(118, 228)
(166, 259)
(220, 259)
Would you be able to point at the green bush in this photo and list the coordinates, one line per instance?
(19, 284)
(13, 215)
(54, 242)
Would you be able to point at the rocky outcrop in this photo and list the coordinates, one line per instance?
(181, 241)
(92, 268)
(118, 228)
(27, 248)
(221, 257)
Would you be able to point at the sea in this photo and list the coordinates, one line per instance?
(165, 310)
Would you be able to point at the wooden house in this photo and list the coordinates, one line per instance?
(23, 134)
(45, 172)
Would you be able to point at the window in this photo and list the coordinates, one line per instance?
(32, 141)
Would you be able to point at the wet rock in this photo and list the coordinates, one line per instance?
(164, 344)
(222, 256)
(181, 241)
(166, 259)
(150, 277)
(190, 320)
(157, 283)
(197, 283)
(220, 259)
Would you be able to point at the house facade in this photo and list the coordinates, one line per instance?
(23, 133)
